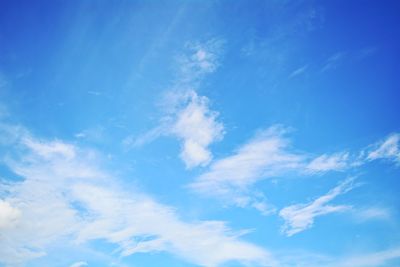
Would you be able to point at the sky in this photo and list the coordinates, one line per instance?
(199, 133)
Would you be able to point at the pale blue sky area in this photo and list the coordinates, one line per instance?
(199, 133)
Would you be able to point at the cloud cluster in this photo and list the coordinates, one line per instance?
(65, 195)
(269, 155)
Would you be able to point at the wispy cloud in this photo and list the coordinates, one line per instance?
(134, 224)
(298, 71)
(266, 155)
(65, 195)
(380, 258)
(339, 161)
(386, 149)
(79, 264)
(372, 213)
(300, 217)
(333, 61)
(269, 155)
(367, 259)
(200, 59)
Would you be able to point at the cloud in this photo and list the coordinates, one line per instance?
(266, 155)
(324, 163)
(300, 217)
(132, 141)
(386, 149)
(66, 197)
(196, 125)
(371, 259)
(372, 213)
(49, 150)
(269, 155)
(8, 215)
(304, 258)
(134, 224)
(189, 119)
(79, 264)
(200, 59)
(298, 71)
(333, 61)
(187, 115)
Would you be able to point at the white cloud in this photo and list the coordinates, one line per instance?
(300, 217)
(266, 155)
(79, 264)
(190, 119)
(372, 213)
(304, 258)
(386, 149)
(187, 114)
(66, 197)
(371, 259)
(8, 215)
(200, 59)
(324, 163)
(132, 141)
(133, 222)
(197, 127)
(50, 149)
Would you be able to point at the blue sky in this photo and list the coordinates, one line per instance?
(199, 133)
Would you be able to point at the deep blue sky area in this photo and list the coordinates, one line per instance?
(199, 133)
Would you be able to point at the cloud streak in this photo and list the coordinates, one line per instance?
(300, 217)
(387, 149)
(324, 163)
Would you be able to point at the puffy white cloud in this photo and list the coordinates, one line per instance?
(8, 215)
(189, 119)
(197, 126)
(300, 217)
